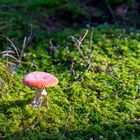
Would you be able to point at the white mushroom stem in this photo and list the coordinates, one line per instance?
(38, 97)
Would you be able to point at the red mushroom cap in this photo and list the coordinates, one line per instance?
(40, 79)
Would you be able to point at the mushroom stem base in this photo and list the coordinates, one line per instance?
(38, 97)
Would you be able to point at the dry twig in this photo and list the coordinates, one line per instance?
(88, 57)
(66, 123)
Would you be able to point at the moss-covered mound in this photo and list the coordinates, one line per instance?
(97, 95)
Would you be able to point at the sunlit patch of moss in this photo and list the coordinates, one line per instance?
(86, 103)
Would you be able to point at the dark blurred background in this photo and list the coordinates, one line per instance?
(19, 17)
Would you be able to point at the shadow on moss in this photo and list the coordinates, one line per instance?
(113, 131)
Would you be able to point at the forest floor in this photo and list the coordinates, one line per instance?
(97, 65)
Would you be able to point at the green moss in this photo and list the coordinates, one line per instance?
(100, 103)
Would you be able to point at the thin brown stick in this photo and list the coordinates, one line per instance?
(88, 58)
(32, 126)
(90, 41)
(67, 120)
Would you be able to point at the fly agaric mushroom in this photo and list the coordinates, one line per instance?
(40, 81)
